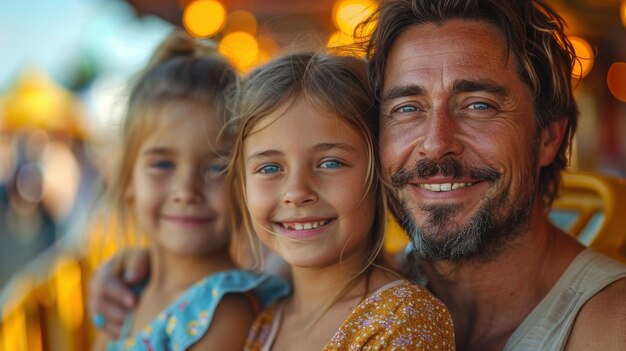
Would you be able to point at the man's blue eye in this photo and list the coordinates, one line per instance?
(331, 164)
(479, 106)
(269, 169)
(406, 109)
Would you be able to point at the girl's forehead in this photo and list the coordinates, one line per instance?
(302, 107)
(300, 124)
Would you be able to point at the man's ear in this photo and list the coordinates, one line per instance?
(551, 140)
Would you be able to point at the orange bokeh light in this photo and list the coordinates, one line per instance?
(240, 21)
(585, 54)
(241, 48)
(616, 80)
(203, 18)
(347, 14)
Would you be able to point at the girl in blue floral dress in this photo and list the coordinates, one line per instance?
(170, 186)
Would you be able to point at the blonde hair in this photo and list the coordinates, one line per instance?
(183, 70)
(335, 84)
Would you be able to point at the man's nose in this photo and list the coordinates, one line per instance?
(440, 136)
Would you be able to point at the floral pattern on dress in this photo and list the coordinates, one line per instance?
(186, 320)
(403, 317)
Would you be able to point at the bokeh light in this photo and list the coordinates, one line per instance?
(203, 18)
(241, 48)
(267, 49)
(240, 21)
(347, 14)
(622, 12)
(616, 80)
(585, 54)
(339, 39)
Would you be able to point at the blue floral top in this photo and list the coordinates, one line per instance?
(186, 320)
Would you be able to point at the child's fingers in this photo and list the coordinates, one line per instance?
(114, 316)
(115, 291)
(135, 265)
(109, 299)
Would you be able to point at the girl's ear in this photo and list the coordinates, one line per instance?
(551, 140)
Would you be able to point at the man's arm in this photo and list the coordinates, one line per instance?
(601, 323)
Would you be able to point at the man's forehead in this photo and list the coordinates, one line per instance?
(454, 49)
(466, 37)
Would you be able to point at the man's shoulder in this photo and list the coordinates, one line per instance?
(601, 322)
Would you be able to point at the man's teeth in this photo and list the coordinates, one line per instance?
(444, 186)
(305, 226)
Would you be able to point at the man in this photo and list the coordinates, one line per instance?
(477, 117)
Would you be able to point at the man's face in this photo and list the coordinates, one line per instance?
(458, 139)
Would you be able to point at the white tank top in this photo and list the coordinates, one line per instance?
(548, 326)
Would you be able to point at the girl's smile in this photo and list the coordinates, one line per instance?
(304, 228)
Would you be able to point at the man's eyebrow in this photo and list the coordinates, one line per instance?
(465, 85)
(403, 91)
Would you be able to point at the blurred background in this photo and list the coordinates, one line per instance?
(65, 67)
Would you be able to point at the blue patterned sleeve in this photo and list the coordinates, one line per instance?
(189, 318)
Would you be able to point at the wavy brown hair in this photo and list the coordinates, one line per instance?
(535, 36)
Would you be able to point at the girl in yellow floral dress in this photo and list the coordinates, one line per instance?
(304, 179)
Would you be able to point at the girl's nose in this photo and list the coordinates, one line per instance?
(298, 190)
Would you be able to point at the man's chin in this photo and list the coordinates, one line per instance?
(448, 234)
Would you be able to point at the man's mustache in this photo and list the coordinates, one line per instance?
(449, 167)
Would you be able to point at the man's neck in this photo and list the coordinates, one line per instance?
(489, 300)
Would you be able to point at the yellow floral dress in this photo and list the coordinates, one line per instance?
(400, 316)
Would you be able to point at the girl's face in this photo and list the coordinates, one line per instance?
(305, 173)
(177, 192)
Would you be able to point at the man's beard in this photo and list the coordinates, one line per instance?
(495, 222)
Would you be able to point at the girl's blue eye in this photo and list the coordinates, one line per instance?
(215, 172)
(479, 106)
(331, 164)
(269, 169)
(162, 164)
(216, 169)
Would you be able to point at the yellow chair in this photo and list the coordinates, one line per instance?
(591, 207)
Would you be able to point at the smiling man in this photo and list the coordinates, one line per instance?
(477, 118)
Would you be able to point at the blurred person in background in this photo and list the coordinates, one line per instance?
(27, 227)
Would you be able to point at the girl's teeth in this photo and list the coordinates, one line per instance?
(305, 226)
